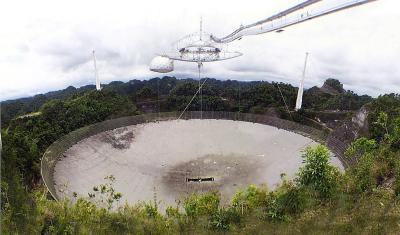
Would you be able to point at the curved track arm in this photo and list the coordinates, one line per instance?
(268, 25)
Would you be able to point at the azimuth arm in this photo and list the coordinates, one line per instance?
(269, 24)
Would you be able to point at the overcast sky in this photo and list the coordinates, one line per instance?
(46, 45)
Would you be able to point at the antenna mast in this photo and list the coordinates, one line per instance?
(299, 100)
(201, 27)
(96, 74)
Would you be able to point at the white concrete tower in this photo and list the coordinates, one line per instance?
(96, 74)
(299, 100)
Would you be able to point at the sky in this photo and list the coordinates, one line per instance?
(47, 45)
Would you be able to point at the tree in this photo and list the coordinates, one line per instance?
(318, 173)
(146, 92)
(360, 147)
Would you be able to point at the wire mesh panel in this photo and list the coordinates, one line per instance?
(56, 151)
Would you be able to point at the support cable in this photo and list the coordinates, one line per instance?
(239, 97)
(284, 101)
(158, 97)
(201, 91)
(194, 96)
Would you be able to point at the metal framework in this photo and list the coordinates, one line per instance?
(199, 47)
(284, 19)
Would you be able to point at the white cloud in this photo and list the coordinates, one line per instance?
(46, 45)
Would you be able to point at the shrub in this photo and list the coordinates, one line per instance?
(395, 134)
(360, 147)
(397, 179)
(318, 173)
(273, 209)
(105, 194)
(172, 212)
(250, 198)
(151, 210)
(201, 205)
(292, 198)
(257, 109)
(364, 175)
(287, 200)
(220, 220)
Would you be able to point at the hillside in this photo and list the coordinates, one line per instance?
(256, 96)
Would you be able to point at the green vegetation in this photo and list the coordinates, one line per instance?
(25, 140)
(319, 200)
(318, 174)
(105, 194)
(332, 96)
(256, 96)
(385, 117)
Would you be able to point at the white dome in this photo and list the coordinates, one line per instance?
(162, 64)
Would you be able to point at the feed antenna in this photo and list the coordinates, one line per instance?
(198, 48)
